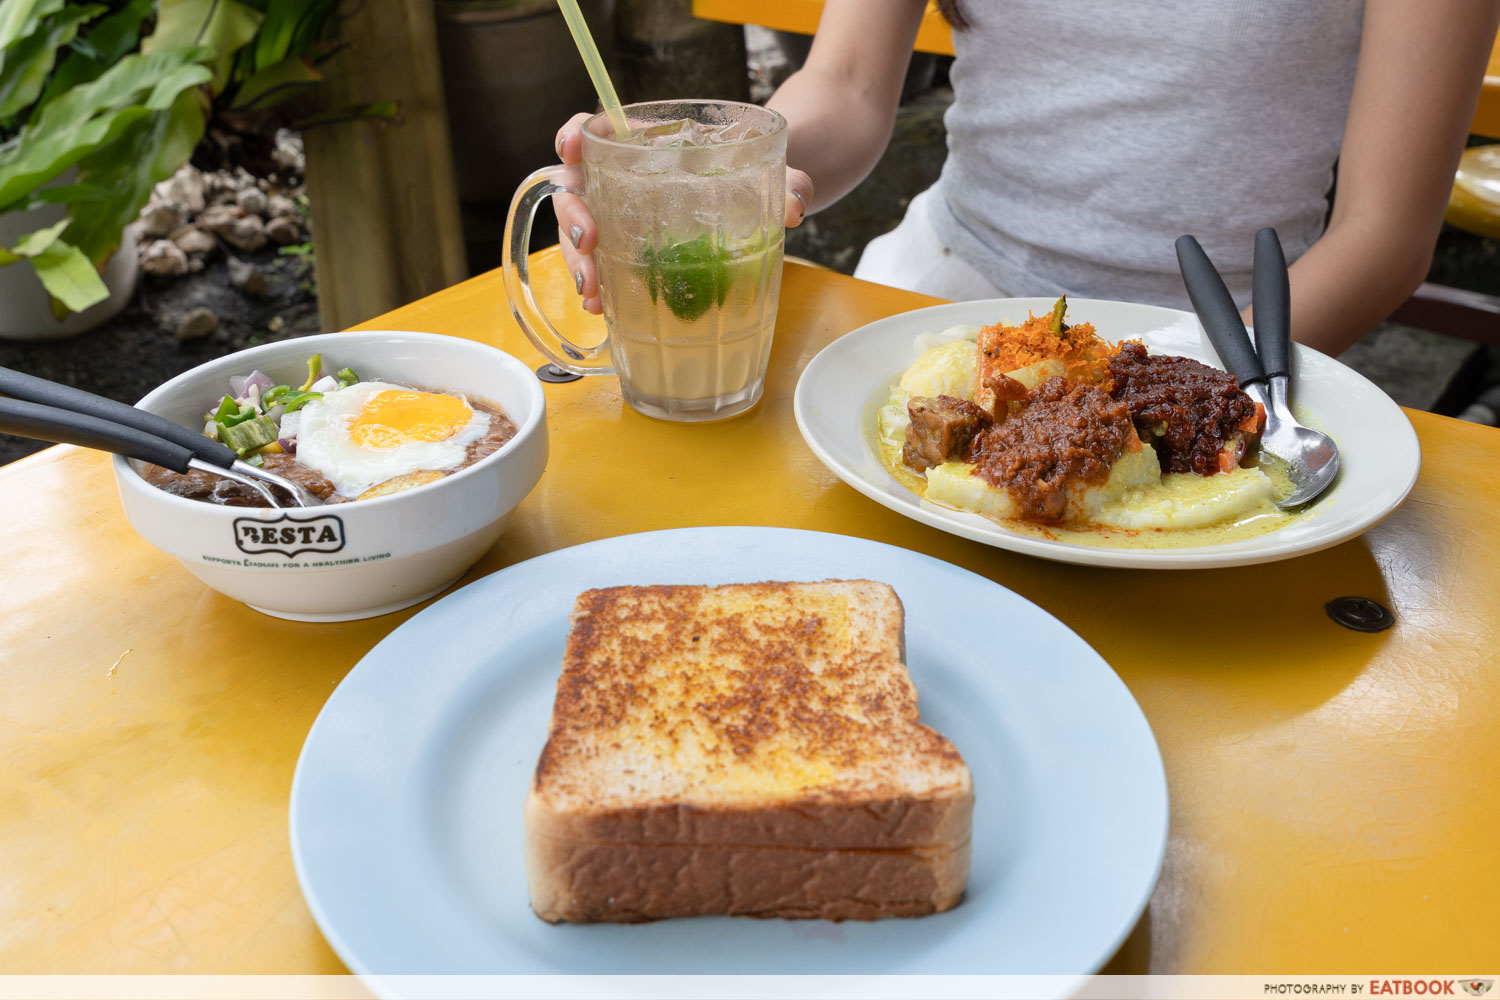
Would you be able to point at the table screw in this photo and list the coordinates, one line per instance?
(551, 373)
(1360, 614)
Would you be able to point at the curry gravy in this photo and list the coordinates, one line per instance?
(1179, 485)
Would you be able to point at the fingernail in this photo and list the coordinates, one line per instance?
(578, 281)
(575, 234)
(557, 145)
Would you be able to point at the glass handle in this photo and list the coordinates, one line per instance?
(516, 269)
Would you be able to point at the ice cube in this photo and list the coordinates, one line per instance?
(675, 134)
(733, 132)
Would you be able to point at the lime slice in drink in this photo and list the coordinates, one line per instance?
(690, 277)
(697, 274)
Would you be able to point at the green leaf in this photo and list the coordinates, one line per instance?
(291, 28)
(66, 272)
(117, 35)
(383, 110)
(277, 83)
(69, 277)
(60, 194)
(225, 26)
(27, 62)
(273, 44)
(123, 174)
(19, 18)
(39, 241)
(110, 39)
(90, 117)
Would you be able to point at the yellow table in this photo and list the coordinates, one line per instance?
(1335, 796)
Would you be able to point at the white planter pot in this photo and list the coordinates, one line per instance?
(26, 313)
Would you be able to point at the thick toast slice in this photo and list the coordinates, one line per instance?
(752, 748)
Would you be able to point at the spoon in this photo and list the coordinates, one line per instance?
(1311, 457)
(49, 411)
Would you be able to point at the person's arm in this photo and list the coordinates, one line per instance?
(1415, 88)
(840, 108)
(841, 105)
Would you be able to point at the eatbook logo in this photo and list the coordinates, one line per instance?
(289, 536)
(1477, 987)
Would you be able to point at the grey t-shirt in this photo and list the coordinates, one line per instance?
(1085, 136)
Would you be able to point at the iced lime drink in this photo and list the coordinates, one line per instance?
(690, 210)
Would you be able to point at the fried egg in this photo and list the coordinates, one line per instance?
(372, 432)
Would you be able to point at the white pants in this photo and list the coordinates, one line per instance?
(912, 257)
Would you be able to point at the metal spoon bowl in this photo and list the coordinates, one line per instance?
(1263, 368)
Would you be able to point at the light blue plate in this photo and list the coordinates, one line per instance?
(406, 806)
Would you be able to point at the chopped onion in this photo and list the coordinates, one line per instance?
(289, 425)
(326, 384)
(240, 384)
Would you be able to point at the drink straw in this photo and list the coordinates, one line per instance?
(595, 66)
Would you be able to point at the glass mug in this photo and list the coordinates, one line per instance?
(690, 209)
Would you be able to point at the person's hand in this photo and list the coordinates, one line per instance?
(577, 234)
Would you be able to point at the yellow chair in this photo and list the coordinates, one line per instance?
(1474, 205)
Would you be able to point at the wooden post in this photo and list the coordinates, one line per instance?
(385, 216)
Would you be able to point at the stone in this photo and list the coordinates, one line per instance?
(195, 241)
(288, 154)
(252, 200)
(284, 230)
(1416, 368)
(217, 185)
(218, 217)
(248, 278)
(769, 65)
(197, 324)
(186, 187)
(159, 218)
(164, 259)
(247, 233)
(279, 206)
(276, 324)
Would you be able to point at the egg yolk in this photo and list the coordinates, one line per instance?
(392, 417)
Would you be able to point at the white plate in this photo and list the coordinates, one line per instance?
(842, 387)
(406, 822)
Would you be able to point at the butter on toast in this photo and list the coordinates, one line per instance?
(745, 749)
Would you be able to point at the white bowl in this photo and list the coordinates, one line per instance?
(368, 557)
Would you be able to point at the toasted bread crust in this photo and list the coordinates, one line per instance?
(739, 736)
(634, 883)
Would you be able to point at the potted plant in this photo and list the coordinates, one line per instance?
(101, 101)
